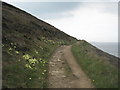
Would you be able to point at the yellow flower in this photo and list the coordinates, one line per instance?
(16, 52)
(26, 56)
(14, 46)
(10, 49)
(43, 73)
(28, 66)
(11, 43)
(44, 70)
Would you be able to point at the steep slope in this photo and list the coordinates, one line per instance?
(27, 44)
(98, 65)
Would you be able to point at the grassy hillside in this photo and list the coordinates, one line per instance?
(101, 67)
(27, 44)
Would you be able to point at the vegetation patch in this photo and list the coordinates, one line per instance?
(102, 73)
(27, 44)
(26, 69)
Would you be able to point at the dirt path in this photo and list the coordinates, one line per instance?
(64, 72)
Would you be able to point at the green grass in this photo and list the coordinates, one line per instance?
(27, 69)
(102, 73)
(26, 48)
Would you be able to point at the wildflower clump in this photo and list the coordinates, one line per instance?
(31, 61)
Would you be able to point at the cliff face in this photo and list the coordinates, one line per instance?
(27, 45)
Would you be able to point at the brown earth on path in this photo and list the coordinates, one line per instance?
(64, 72)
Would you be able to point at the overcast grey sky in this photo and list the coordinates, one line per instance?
(92, 21)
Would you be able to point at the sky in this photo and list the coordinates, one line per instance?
(91, 21)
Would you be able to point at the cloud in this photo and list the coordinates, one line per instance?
(90, 23)
(61, 0)
(47, 10)
(105, 7)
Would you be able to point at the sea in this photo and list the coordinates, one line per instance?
(109, 47)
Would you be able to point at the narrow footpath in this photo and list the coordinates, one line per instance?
(64, 72)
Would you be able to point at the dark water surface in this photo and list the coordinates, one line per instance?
(109, 47)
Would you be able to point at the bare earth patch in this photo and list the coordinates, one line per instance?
(64, 72)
